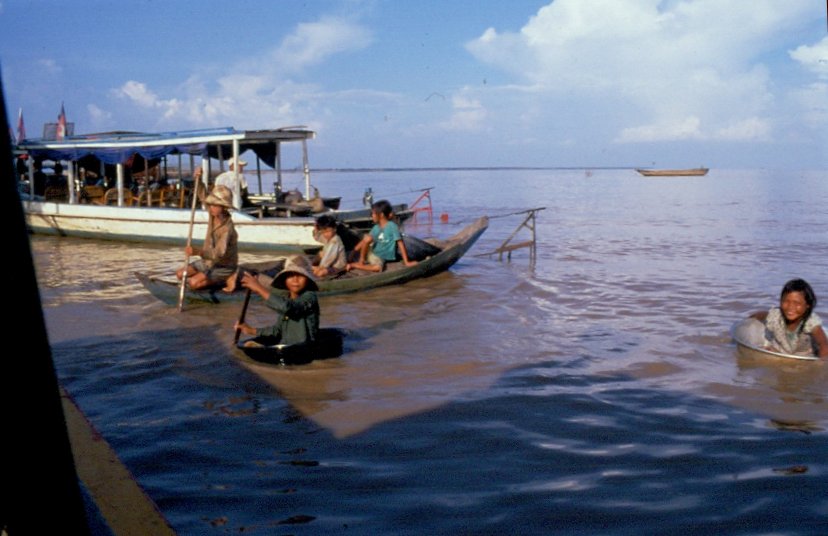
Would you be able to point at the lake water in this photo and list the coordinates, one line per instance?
(597, 391)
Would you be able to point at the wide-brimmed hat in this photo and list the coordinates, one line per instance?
(236, 161)
(296, 265)
(221, 196)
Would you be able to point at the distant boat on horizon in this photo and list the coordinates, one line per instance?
(693, 172)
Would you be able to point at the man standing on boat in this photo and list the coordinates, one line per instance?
(234, 180)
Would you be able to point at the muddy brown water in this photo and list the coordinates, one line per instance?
(596, 391)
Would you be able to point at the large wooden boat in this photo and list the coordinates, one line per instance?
(443, 254)
(693, 172)
(163, 214)
(749, 335)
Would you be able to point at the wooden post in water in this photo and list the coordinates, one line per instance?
(529, 222)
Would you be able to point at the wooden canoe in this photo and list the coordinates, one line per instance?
(694, 172)
(262, 350)
(446, 253)
(750, 334)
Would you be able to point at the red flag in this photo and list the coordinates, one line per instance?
(61, 125)
(21, 128)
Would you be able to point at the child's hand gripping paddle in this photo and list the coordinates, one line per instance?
(242, 315)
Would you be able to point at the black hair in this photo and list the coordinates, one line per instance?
(800, 285)
(382, 207)
(326, 221)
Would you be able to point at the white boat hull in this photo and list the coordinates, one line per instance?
(164, 225)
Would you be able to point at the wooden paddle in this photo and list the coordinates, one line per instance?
(242, 315)
(189, 243)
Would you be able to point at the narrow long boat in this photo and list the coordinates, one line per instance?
(444, 254)
(749, 334)
(693, 172)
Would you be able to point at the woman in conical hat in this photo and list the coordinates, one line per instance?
(220, 252)
(298, 312)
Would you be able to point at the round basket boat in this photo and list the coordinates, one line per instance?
(267, 350)
(750, 334)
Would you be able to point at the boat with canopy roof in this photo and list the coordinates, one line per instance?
(151, 203)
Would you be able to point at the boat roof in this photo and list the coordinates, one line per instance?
(119, 147)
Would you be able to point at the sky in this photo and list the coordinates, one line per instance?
(440, 83)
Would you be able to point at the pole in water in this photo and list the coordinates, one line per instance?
(242, 315)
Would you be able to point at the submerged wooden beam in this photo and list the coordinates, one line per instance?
(124, 506)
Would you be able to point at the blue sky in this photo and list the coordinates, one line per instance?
(388, 83)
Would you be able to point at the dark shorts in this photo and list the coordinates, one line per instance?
(216, 273)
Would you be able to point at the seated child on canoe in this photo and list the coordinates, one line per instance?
(331, 260)
(220, 252)
(383, 244)
(328, 262)
(793, 327)
(298, 312)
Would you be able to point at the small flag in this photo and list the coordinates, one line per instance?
(61, 125)
(21, 128)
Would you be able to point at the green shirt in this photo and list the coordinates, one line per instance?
(298, 319)
(385, 240)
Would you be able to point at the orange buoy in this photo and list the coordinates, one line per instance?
(444, 217)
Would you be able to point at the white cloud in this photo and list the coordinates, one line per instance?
(685, 129)
(98, 115)
(138, 93)
(314, 42)
(256, 92)
(813, 103)
(814, 58)
(467, 114)
(664, 70)
(752, 128)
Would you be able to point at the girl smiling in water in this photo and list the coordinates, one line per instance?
(794, 327)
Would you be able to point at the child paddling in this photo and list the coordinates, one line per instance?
(298, 311)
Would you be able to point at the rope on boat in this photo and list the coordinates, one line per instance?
(411, 191)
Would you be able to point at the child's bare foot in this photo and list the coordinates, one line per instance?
(230, 284)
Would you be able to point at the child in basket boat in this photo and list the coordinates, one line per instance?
(220, 252)
(793, 327)
(298, 311)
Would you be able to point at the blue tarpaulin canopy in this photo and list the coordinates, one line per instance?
(119, 147)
